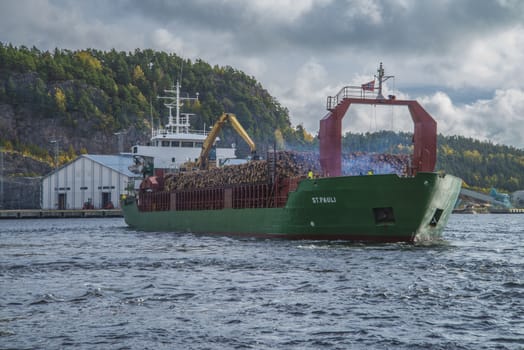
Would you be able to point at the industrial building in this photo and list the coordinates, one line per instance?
(88, 182)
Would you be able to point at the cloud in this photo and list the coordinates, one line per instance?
(488, 61)
(162, 38)
(279, 11)
(499, 120)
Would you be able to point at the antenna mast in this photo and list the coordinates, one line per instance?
(179, 124)
(151, 115)
(381, 78)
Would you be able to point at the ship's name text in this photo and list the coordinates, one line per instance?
(324, 200)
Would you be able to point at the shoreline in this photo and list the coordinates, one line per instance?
(58, 214)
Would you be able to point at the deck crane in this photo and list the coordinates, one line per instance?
(203, 161)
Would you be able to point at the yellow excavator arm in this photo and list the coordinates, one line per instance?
(211, 137)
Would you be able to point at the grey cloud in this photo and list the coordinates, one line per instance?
(422, 26)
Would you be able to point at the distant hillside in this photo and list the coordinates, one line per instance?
(481, 165)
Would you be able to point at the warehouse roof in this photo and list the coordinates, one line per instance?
(120, 162)
(117, 162)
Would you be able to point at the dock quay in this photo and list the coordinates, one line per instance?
(485, 210)
(507, 211)
(58, 214)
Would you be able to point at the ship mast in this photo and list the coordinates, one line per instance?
(180, 122)
(381, 78)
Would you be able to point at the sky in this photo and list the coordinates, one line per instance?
(461, 59)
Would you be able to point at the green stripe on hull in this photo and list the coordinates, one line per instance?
(370, 208)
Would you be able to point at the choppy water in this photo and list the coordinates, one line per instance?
(95, 284)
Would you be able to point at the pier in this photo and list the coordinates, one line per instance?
(484, 210)
(58, 214)
(506, 211)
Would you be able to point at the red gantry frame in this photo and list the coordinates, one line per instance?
(330, 134)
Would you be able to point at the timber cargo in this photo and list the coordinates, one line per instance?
(292, 195)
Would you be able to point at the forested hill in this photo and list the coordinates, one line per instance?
(481, 165)
(83, 97)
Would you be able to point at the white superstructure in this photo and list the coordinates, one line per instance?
(175, 143)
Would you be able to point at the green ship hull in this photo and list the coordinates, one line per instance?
(381, 208)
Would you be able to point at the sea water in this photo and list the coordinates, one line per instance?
(97, 284)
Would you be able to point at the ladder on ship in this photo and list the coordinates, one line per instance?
(271, 169)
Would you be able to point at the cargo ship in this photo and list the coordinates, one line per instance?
(290, 195)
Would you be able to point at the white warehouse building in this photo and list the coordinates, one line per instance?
(94, 181)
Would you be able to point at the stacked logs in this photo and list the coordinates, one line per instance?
(252, 172)
(286, 164)
(359, 163)
(295, 164)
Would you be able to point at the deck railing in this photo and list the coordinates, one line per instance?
(261, 195)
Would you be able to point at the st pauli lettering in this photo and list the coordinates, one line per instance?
(324, 200)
